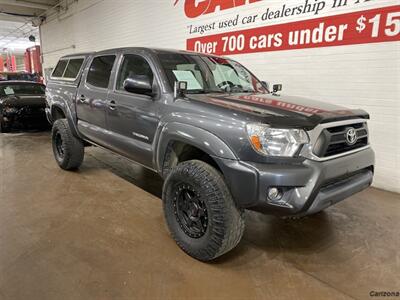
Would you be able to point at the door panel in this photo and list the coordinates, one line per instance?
(132, 125)
(92, 97)
(133, 118)
(91, 105)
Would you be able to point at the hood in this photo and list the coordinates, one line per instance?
(286, 111)
(22, 101)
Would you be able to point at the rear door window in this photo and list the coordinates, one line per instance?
(74, 65)
(60, 68)
(100, 71)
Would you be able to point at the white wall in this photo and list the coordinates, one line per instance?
(357, 76)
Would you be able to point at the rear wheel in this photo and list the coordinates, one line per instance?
(200, 212)
(68, 150)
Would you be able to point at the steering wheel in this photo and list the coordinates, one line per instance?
(232, 87)
(225, 83)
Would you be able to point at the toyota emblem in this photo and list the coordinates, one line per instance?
(351, 136)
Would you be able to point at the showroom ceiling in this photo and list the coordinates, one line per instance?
(19, 20)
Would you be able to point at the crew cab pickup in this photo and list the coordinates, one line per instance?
(221, 138)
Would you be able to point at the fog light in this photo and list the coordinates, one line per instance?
(274, 194)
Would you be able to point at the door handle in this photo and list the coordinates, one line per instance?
(112, 105)
(82, 99)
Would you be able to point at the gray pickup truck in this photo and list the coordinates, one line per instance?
(221, 139)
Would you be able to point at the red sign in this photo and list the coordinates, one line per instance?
(195, 8)
(369, 26)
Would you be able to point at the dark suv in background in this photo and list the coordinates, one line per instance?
(221, 139)
(22, 105)
(20, 76)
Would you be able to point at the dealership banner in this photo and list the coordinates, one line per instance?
(360, 27)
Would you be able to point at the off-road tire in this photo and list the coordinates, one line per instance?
(225, 220)
(72, 147)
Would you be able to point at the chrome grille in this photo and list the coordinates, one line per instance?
(332, 140)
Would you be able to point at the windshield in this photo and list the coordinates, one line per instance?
(205, 74)
(21, 89)
(18, 76)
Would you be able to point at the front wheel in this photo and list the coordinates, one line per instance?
(200, 212)
(68, 150)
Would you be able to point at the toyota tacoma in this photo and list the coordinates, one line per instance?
(222, 139)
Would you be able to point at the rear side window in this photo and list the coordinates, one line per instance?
(73, 68)
(100, 71)
(60, 68)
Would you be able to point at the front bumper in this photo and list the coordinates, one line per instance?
(308, 187)
(25, 116)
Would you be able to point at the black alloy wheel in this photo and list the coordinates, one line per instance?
(190, 211)
(59, 145)
(201, 214)
(68, 149)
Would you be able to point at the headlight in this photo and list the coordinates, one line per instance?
(275, 141)
(10, 110)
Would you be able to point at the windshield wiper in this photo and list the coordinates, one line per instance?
(195, 92)
(246, 91)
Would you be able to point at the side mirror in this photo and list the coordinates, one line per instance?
(139, 84)
(276, 88)
(180, 89)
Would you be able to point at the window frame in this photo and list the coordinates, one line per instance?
(80, 68)
(68, 60)
(156, 79)
(119, 69)
(111, 72)
(58, 77)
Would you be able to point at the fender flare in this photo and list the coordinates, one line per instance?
(191, 135)
(68, 115)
